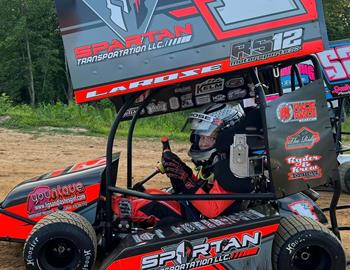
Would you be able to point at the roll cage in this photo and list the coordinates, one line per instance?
(261, 100)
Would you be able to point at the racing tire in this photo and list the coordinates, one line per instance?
(344, 172)
(61, 240)
(304, 244)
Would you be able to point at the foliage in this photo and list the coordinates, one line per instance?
(31, 51)
(338, 18)
(5, 104)
(95, 120)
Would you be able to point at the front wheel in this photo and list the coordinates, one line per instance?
(303, 244)
(62, 240)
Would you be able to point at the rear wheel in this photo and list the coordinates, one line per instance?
(302, 244)
(344, 172)
(62, 240)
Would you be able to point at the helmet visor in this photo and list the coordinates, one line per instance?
(203, 124)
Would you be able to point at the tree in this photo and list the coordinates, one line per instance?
(32, 66)
(337, 18)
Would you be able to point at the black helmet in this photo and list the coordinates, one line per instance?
(206, 125)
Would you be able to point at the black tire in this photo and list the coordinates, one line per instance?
(344, 172)
(61, 240)
(302, 243)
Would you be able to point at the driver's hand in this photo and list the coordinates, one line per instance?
(160, 167)
(176, 169)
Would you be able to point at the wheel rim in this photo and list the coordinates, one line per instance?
(311, 257)
(58, 253)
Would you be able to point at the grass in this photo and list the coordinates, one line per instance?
(94, 120)
(89, 120)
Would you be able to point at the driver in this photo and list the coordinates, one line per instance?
(210, 176)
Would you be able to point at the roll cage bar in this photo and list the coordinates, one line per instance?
(261, 100)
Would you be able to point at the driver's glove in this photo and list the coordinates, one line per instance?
(180, 174)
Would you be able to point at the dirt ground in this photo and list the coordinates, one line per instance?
(23, 156)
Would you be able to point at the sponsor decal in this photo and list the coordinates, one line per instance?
(204, 252)
(134, 45)
(184, 89)
(303, 167)
(234, 83)
(217, 222)
(159, 233)
(267, 47)
(219, 98)
(136, 238)
(299, 111)
(125, 207)
(88, 256)
(129, 20)
(147, 236)
(341, 90)
(303, 208)
(44, 200)
(201, 100)
(236, 94)
(303, 138)
(29, 259)
(188, 227)
(130, 112)
(210, 86)
(208, 224)
(206, 118)
(199, 225)
(177, 230)
(153, 107)
(186, 101)
(174, 103)
(336, 63)
(124, 16)
(150, 82)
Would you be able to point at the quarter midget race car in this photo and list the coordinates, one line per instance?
(156, 57)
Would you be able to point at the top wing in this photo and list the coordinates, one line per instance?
(115, 47)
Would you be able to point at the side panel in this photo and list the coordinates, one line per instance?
(117, 47)
(76, 188)
(301, 145)
(20, 215)
(239, 241)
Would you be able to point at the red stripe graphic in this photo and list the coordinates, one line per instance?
(184, 12)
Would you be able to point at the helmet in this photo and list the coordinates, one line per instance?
(205, 127)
